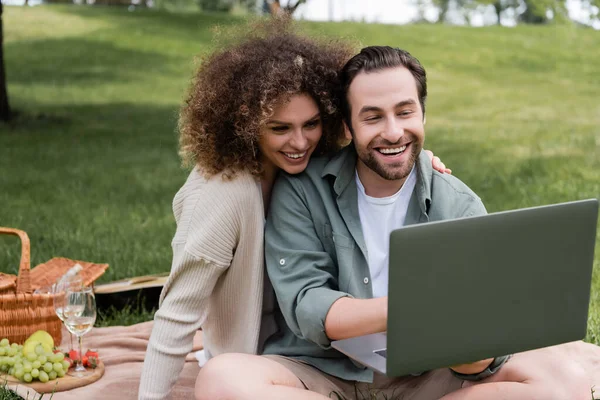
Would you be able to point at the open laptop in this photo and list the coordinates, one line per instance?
(474, 288)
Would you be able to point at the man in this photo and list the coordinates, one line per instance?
(327, 241)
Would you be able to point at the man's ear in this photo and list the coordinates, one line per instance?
(347, 132)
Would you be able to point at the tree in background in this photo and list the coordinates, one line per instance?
(5, 113)
(275, 8)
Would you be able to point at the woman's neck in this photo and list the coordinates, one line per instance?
(267, 180)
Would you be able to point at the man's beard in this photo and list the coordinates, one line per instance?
(390, 172)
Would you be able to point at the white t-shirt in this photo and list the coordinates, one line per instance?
(379, 216)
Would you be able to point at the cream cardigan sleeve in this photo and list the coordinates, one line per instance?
(208, 221)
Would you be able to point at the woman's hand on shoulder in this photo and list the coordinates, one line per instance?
(437, 164)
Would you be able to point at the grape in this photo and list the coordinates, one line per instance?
(47, 367)
(11, 371)
(14, 346)
(58, 357)
(19, 373)
(27, 368)
(65, 364)
(43, 359)
(35, 372)
(27, 377)
(57, 366)
(61, 373)
(52, 375)
(3, 351)
(37, 364)
(39, 350)
(12, 351)
(4, 342)
(18, 365)
(31, 356)
(44, 377)
(4, 368)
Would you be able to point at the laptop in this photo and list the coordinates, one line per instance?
(479, 287)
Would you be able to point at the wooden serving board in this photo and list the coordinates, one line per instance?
(67, 382)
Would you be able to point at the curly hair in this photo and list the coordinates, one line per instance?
(236, 89)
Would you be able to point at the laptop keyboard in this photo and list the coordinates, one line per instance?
(382, 353)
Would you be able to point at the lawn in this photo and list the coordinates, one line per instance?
(90, 166)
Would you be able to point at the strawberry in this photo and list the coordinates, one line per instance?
(92, 362)
(84, 360)
(74, 355)
(92, 353)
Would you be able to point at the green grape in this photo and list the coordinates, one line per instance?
(52, 358)
(48, 354)
(18, 365)
(11, 371)
(27, 368)
(57, 366)
(27, 377)
(3, 351)
(4, 342)
(47, 367)
(35, 372)
(59, 357)
(44, 377)
(4, 368)
(10, 361)
(37, 364)
(42, 359)
(61, 373)
(14, 346)
(39, 350)
(52, 375)
(12, 352)
(19, 373)
(31, 356)
(65, 364)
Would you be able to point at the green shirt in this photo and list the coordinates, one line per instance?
(316, 253)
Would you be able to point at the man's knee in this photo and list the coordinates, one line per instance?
(219, 378)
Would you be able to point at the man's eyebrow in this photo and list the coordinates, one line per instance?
(403, 103)
(274, 121)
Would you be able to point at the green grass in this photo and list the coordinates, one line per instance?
(90, 167)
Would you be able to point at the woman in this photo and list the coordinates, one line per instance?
(265, 104)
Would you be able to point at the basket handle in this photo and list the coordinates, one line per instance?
(23, 279)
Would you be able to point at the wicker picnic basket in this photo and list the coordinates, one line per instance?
(22, 312)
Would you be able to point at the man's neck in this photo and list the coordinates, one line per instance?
(374, 184)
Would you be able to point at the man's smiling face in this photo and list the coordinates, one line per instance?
(387, 122)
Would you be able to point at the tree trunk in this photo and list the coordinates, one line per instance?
(5, 113)
(291, 8)
(498, 8)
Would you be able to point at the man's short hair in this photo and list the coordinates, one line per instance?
(375, 58)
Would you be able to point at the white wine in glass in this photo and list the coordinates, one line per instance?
(80, 315)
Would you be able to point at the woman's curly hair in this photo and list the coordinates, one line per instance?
(236, 89)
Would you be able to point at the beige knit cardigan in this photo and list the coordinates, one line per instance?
(216, 281)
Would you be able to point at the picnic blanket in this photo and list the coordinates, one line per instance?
(122, 350)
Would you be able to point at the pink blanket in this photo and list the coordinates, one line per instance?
(122, 350)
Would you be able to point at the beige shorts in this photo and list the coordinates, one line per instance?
(429, 386)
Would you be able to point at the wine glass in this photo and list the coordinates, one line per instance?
(59, 291)
(80, 315)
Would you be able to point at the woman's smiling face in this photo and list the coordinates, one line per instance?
(290, 136)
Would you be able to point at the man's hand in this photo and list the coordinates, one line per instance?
(472, 368)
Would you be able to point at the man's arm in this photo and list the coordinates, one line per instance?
(348, 317)
(303, 275)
